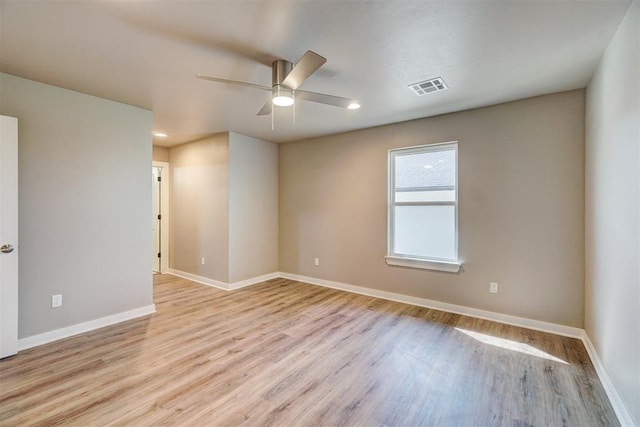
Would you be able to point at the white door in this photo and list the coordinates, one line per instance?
(160, 175)
(8, 236)
(156, 224)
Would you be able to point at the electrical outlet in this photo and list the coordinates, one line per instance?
(493, 287)
(56, 300)
(316, 262)
(202, 260)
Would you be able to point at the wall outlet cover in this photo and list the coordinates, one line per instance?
(56, 300)
(493, 287)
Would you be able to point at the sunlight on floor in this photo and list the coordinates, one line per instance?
(510, 345)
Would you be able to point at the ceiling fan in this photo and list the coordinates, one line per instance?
(285, 80)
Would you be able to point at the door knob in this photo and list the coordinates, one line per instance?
(6, 249)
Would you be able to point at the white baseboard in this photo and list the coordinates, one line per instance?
(69, 331)
(222, 285)
(199, 279)
(614, 397)
(537, 325)
(253, 281)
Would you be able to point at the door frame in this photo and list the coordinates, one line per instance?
(164, 215)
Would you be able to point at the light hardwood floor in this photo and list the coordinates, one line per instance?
(285, 353)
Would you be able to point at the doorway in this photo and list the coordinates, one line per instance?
(160, 216)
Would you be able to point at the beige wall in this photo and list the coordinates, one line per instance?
(160, 154)
(84, 202)
(253, 207)
(613, 210)
(521, 216)
(224, 207)
(200, 207)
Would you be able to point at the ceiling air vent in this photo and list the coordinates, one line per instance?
(428, 86)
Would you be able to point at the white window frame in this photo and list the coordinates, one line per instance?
(404, 260)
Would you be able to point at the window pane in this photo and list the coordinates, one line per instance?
(426, 196)
(425, 177)
(425, 231)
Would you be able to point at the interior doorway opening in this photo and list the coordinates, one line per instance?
(160, 217)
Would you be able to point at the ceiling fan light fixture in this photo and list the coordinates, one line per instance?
(282, 97)
(282, 101)
(286, 78)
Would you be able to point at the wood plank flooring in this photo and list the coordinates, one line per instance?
(284, 353)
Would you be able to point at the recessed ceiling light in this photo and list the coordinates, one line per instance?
(428, 167)
(353, 106)
(160, 134)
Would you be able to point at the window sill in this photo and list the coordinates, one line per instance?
(448, 266)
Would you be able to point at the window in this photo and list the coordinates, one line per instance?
(423, 207)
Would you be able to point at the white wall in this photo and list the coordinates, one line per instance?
(253, 207)
(84, 205)
(612, 294)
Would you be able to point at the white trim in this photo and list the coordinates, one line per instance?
(253, 281)
(199, 279)
(425, 264)
(614, 397)
(69, 331)
(523, 322)
(223, 285)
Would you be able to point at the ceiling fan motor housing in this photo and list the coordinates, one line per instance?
(281, 95)
(280, 69)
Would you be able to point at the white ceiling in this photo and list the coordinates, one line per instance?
(146, 53)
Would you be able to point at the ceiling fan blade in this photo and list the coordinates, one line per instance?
(322, 98)
(307, 65)
(233, 82)
(266, 109)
